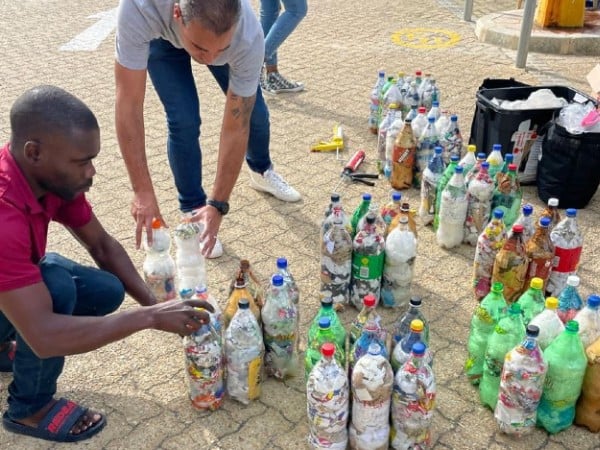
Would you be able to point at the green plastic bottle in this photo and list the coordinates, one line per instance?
(485, 318)
(532, 302)
(454, 159)
(509, 332)
(360, 211)
(313, 348)
(337, 328)
(566, 368)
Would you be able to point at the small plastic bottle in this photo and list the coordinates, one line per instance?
(191, 270)
(328, 402)
(391, 209)
(390, 139)
(402, 326)
(540, 251)
(159, 267)
(384, 126)
(453, 211)
(280, 326)
(566, 368)
(372, 382)
(510, 266)
(568, 242)
(589, 321)
(367, 313)
(489, 243)
(480, 191)
(532, 301)
(569, 300)
(244, 349)
(324, 335)
(336, 264)
(420, 121)
(521, 385)
(401, 353)
(413, 402)
(496, 160)
(431, 176)
(526, 219)
(548, 323)
(361, 210)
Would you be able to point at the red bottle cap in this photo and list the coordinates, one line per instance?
(518, 228)
(369, 300)
(512, 167)
(328, 349)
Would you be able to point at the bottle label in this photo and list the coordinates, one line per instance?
(254, 378)
(403, 159)
(566, 259)
(367, 267)
(540, 267)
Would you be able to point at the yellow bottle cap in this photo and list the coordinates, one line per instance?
(417, 325)
(471, 148)
(537, 283)
(551, 303)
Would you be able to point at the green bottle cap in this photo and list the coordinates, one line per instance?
(572, 326)
(498, 287)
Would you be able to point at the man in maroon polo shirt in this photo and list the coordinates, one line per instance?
(52, 306)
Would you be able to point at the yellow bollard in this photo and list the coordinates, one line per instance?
(560, 13)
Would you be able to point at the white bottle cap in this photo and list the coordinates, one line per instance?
(553, 202)
(573, 280)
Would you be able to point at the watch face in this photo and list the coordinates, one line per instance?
(222, 207)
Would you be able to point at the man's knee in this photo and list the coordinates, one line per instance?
(113, 292)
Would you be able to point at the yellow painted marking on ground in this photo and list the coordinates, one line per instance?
(425, 38)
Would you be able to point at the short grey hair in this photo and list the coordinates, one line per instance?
(217, 16)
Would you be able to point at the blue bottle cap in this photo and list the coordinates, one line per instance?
(366, 197)
(431, 119)
(497, 147)
(453, 118)
(418, 348)
(277, 280)
(455, 158)
(509, 157)
(186, 293)
(438, 150)
(201, 289)
(593, 301)
(382, 73)
(498, 214)
(396, 196)
(571, 212)
(458, 169)
(282, 263)
(324, 322)
(527, 210)
(545, 221)
(485, 165)
(435, 103)
(481, 155)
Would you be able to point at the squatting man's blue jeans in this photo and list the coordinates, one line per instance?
(75, 290)
(277, 28)
(171, 73)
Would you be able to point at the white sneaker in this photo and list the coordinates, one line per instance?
(274, 184)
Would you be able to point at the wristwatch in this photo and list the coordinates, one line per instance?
(222, 207)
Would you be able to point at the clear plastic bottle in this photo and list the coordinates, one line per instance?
(510, 266)
(191, 267)
(366, 314)
(398, 268)
(390, 139)
(468, 161)
(569, 300)
(313, 348)
(336, 264)
(548, 323)
(401, 353)
(508, 333)
(552, 212)
(413, 402)
(589, 321)
(288, 280)
(540, 251)
(431, 176)
(521, 385)
(385, 124)
(216, 317)
(158, 266)
(403, 157)
(526, 219)
(391, 209)
(479, 160)
(427, 142)
(566, 368)
(337, 328)
(335, 209)
(485, 318)
(489, 243)
(244, 349)
(568, 242)
(280, 326)
(420, 121)
(451, 139)
(503, 172)
(371, 333)
(435, 110)
(368, 253)
(496, 160)
(532, 301)
(380, 224)
(440, 188)
(328, 403)
(453, 211)
(480, 191)
(402, 326)
(508, 196)
(374, 106)
(442, 123)
(372, 382)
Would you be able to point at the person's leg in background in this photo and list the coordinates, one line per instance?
(277, 27)
(262, 175)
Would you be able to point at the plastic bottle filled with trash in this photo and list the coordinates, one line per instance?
(158, 266)
(552, 212)
(313, 348)
(489, 243)
(508, 196)
(361, 210)
(403, 158)
(390, 139)
(402, 350)
(402, 326)
(426, 144)
(374, 106)
(386, 123)
(191, 267)
(568, 242)
(588, 405)
(521, 385)
(372, 382)
(367, 262)
(589, 321)
(413, 402)
(253, 284)
(532, 301)
(431, 176)
(367, 313)
(328, 403)
(216, 317)
(334, 210)
(508, 160)
(391, 209)
(548, 323)
(451, 139)
(485, 318)
(479, 160)
(371, 333)
(468, 161)
(337, 328)
(280, 326)
(540, 251)
(569, 300)
(381, 225)
(496, 160)
(453, 211)
(290, 284)
(398, 268)
(240, 291)
(480, 191)
(510, 266)
(420, 121)
(205, 367)
(527, 220)
(566, 368)
(336, 264)
(508, 333)
(440, 188)
(244, 351)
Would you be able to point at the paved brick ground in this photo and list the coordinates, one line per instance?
(336, 51)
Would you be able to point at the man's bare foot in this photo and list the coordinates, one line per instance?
(88, 420)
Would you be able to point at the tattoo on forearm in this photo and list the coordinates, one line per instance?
(242, 108)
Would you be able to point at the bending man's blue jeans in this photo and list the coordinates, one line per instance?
(75, 290)
(171, 74)
(278, 27)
